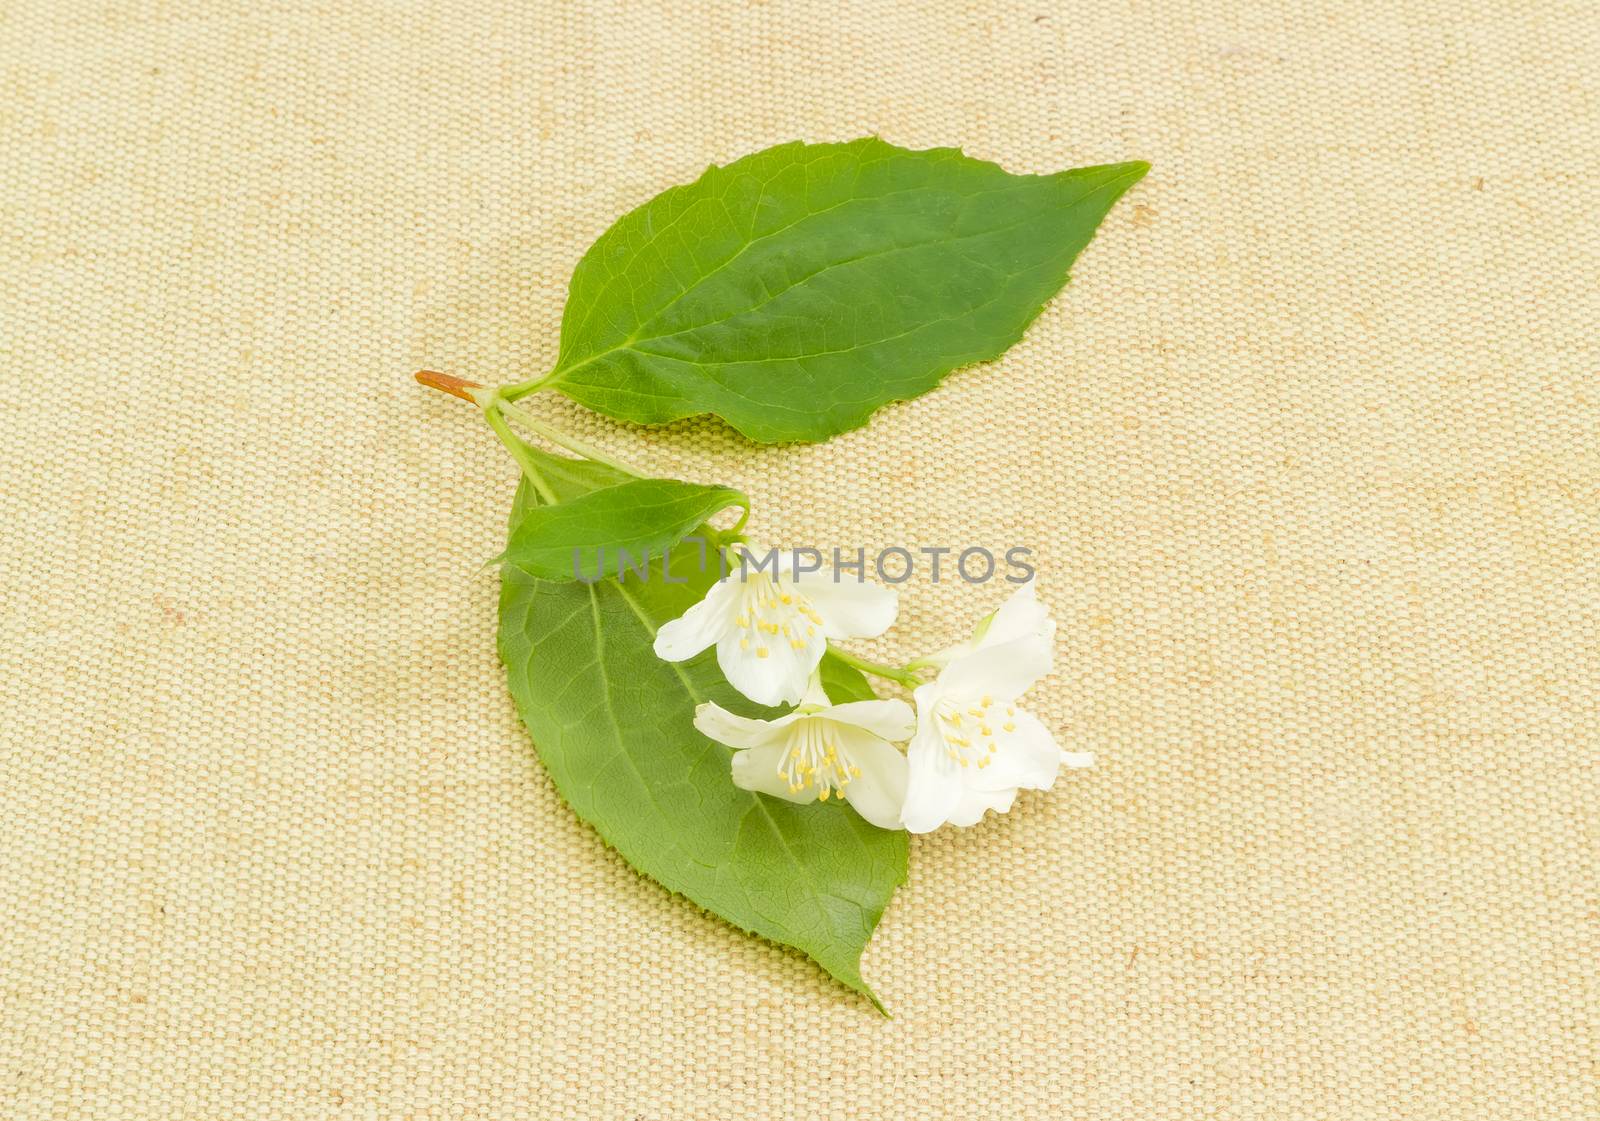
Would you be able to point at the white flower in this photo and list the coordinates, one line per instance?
(974, 747)
(771, 626)
(821, 750)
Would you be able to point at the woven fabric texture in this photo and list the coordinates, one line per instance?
(1308, 453)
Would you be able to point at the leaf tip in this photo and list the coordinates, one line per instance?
(1118, 176)
(851, 979)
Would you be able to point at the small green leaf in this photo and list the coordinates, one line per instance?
(613, 724)
(572, 478)
(795, 291)
(619, 526)
(843, 682)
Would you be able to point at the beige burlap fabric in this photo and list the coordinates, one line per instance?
(1308, 453)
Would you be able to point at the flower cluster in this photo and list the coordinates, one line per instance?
(970, 746)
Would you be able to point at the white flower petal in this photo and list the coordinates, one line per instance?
(850, 608)
(717, 723)
(757, 770)
(1018, 617)
(947, 655)
(975, 803)
(933, 782)
(878, 792)
(699, 627)
(1027, 758)
(1077, 759)
(816, 698)
(1005, 671)
(891, 720)
(780, 676)
(786, 566)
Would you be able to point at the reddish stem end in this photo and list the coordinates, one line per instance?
(456, 387)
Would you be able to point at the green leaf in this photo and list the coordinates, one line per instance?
(570, 478)
(620, 525)
(613, 725)
(795, 291)
(843, 682)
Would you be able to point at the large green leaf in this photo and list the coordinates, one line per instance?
(796, 290)
(613, 725)
(616, 526)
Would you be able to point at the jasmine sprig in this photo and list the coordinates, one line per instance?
(791, 293)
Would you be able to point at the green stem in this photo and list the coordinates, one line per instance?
(498, 403)
(519, 452)
(520, 389)
(902, 674)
